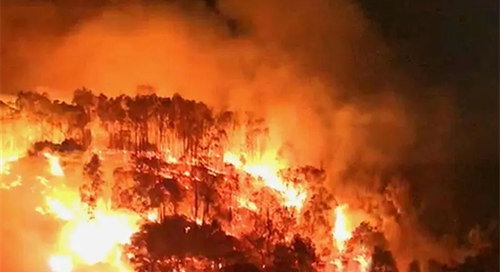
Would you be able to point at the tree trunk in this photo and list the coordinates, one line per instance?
(196, 199)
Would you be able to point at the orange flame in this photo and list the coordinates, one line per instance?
(267, 169)
(5, 163)
(89, 241)
(55, 166)
(341, 234)
(86, 240)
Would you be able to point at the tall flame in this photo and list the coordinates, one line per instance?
(86, 239)
(341, 234)
(359, 259)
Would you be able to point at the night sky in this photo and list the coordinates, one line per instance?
(455, 43)
(450, 43)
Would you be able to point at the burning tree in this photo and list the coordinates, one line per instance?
(169, 184)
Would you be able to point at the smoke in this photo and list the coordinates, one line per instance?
(316, 70)
(306, 65)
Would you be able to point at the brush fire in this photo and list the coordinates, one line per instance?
(152, 183)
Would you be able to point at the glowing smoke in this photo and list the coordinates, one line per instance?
(317, 72)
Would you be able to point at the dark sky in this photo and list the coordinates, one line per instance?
(448, 43)
(455, 43)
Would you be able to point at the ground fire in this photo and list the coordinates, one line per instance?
(151, 183)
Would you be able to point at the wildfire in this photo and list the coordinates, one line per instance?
(4, 163)
(360, 258)
(340, 232)
(90, 240)
(97, 236)
(55, 166)
(99, 239)
(86, 238)
(267, 169)
(152, 216)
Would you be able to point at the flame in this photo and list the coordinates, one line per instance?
(99, 239)
(93, 241)
(86, 239)
(60, 263)
(59, 210)
(90, 240)
(152, 216)
(360, 258)
(247, 204)
(55, 166)
(5, 163)
(267, 169)
(340, 232)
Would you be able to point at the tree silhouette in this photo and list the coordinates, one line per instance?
(241, 267)
(90, 193)
(297, 255)
(171, 241)
(175, 192)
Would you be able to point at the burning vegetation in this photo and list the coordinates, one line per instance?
(151, 183)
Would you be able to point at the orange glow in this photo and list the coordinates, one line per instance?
(84, 239)
(4, 163)
(359, 259)
(267, 169)
(59, 263)
(88, 240)
(340, 232)
(97, 235)
(55, 166)
(152, 216)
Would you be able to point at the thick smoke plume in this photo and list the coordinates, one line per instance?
(316, 70)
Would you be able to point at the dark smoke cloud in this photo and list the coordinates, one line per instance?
(316, 70)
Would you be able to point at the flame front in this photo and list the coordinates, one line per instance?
(267, 169)
(98, 237)
(86, 238)
(261, 186)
